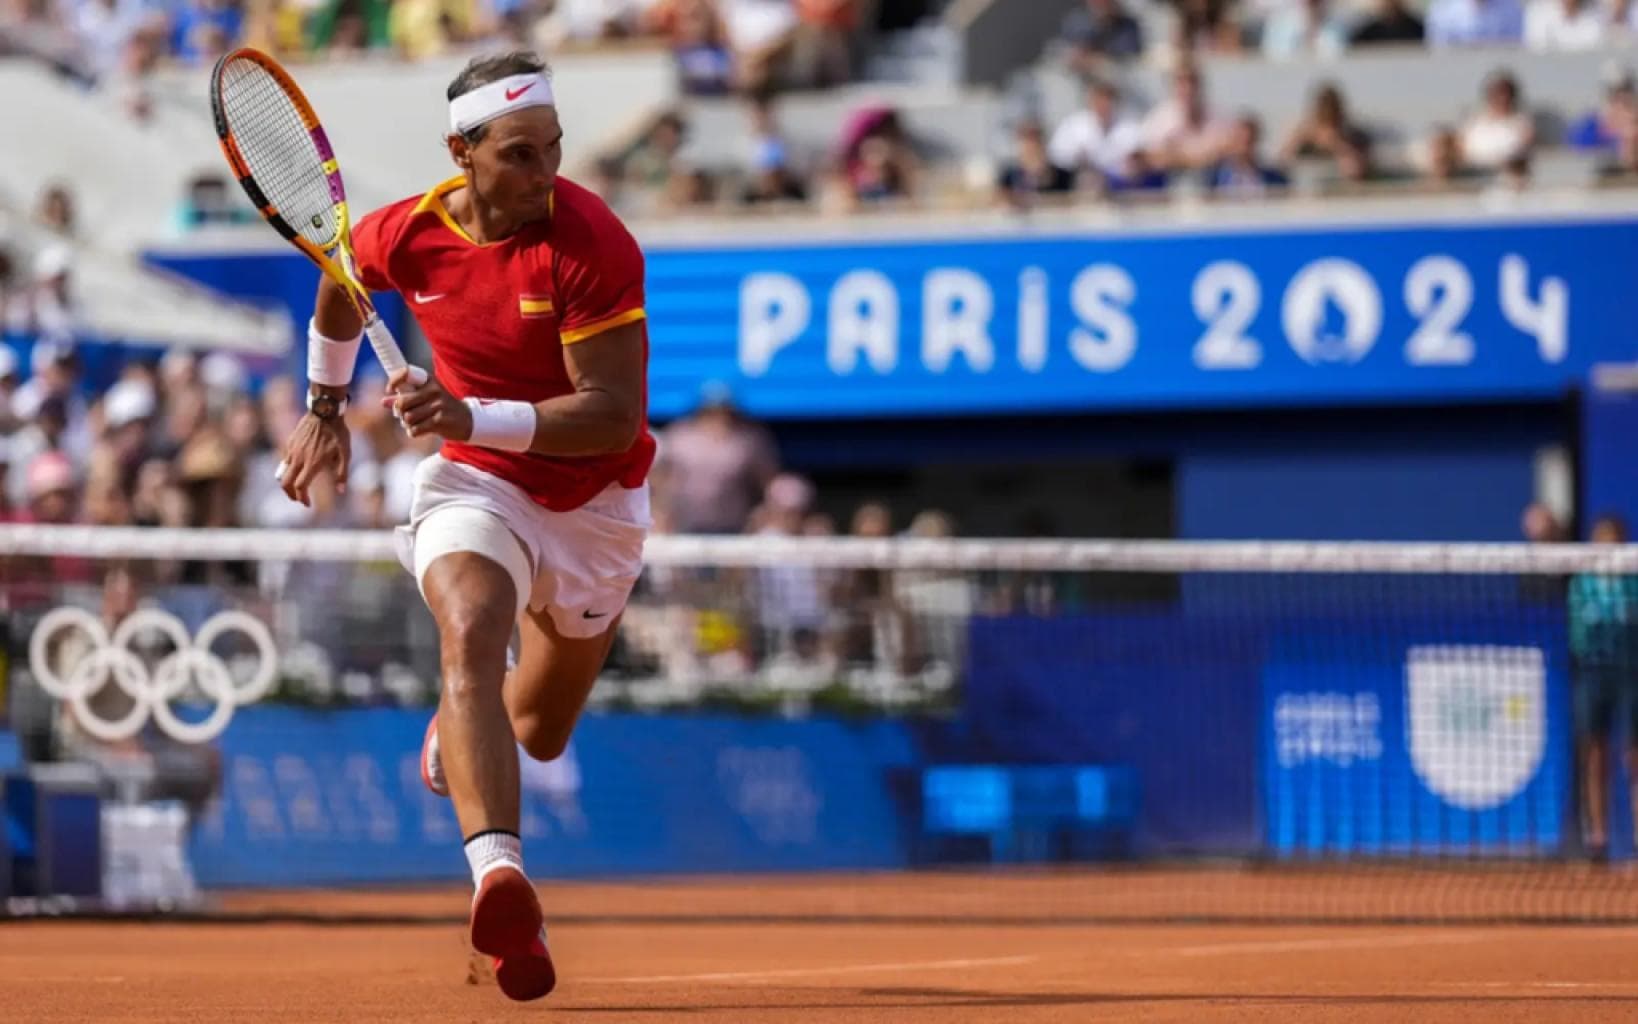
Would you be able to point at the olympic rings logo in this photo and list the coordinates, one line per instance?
(111, 659)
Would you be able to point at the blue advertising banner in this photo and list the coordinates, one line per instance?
(336, 797)
(1401, 746)
(1095, 321)
(1127, 321)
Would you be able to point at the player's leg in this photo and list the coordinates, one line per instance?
(473, 601)
(472, 569)
(553, 678)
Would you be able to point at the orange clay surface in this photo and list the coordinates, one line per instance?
(828, 950)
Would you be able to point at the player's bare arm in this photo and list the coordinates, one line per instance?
(321, 441)
(602, 416)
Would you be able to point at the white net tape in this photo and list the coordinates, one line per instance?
(851, 553)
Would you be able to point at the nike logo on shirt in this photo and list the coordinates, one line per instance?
(424, 299)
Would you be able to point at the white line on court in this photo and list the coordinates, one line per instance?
(1322, 945)
(819, 972)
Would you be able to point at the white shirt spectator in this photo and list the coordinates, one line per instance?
(757, 24)
(592, 19)
(1082, 140)
(1173, 135)
(1490, 140)
(1561, 25)
(1474, 23)
(1299, 29)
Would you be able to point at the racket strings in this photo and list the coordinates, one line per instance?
(278, 147)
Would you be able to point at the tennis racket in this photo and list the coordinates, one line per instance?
(279, 152)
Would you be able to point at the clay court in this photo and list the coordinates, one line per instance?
(957, 948)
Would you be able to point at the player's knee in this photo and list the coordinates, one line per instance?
(541, 740)
(474, 651)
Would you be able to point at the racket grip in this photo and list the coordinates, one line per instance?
(387, 350)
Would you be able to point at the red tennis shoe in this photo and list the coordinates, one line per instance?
(507, 924)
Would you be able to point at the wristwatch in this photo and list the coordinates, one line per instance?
(325, 407)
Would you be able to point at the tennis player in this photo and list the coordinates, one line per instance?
(534, 513)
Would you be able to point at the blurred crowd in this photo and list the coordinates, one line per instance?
(1116, 148)
(1117, 144)
(719, 45)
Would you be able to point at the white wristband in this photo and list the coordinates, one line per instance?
(330, 362)
(509, 426)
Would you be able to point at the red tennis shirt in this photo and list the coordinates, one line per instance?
(499, 315)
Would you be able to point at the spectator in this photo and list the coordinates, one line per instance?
(1304, 28)
(1098, 34)
(209, 202)
(1545, 592)
(1241, 174)
(1180, 131)
(1540, 526)
(760, 34)
(9, 376)
(877, 156)
(13, 308)
(1442, 164)
(771, 179)
(350, 26)
(8, 512)
(699, 45)
(428, 28)
(1098, 137)
(1615, 121)
(1392, 23)
(104, 29)
(52, 311)
(129, 84)
(52, 489)
(791, 598)
(770, 161)
(1474, 23)
(651, 165)
(713, 466)
(1604, 660)
(1620, 22)
(583, 21)
(688, 189)
(128, 411)
(56, 371)
(1205, 27)
(56, 210)
(1328, 133)
(46, 430)
(1500, 133)
(203, 30)
(822, 51)
(1563, 25)
(1136, 175)
(1031, 173)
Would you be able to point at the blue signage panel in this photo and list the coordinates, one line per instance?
(1126, 321)
(336, 797)
(1397, 746)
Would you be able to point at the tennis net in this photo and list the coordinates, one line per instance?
(1038, 730)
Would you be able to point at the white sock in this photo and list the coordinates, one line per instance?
(487, 851)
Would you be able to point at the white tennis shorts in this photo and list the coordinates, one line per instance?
(580, 565)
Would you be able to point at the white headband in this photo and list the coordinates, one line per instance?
(487, 102)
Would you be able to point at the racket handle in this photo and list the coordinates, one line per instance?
(387, 350)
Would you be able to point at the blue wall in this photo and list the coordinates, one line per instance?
(1430, 493)
(336, 796)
